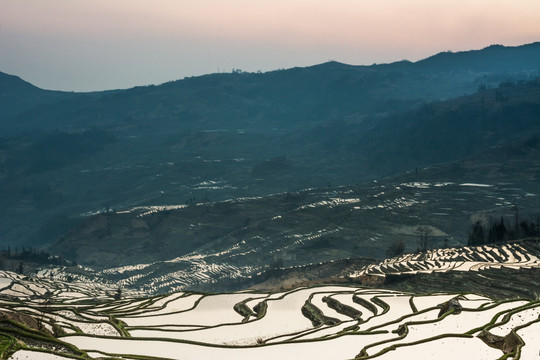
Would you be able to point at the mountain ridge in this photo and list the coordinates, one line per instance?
(18, 95)
(451, 61)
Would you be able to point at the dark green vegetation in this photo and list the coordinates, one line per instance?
(19, 331)
(497, 231)
(29, 259)
(316, 316)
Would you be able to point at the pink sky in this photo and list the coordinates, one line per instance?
(104, 44)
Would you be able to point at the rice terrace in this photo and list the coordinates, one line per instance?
(45, 316)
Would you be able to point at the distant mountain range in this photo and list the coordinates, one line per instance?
(227, 136)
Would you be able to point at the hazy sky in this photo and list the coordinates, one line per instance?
(106, 44)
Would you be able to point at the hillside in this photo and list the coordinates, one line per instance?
(227, 136)
(224, 243)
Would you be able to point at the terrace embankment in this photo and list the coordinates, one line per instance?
(494, 283)
(500, 272)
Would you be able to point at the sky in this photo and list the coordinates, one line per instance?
(88, 45)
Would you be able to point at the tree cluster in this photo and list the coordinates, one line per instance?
(424, 232)
(396, 248)
(28, 254)
(499, 231)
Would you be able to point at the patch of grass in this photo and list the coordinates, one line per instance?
(8, 345)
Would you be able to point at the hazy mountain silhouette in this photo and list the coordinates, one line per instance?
(287, 97)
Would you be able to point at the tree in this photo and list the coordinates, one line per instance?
(516, 221)
(497, 232)
(424, 232)
(528, 229)
(397, 247)
(499, 97)
(476, 236)
(118, 294)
